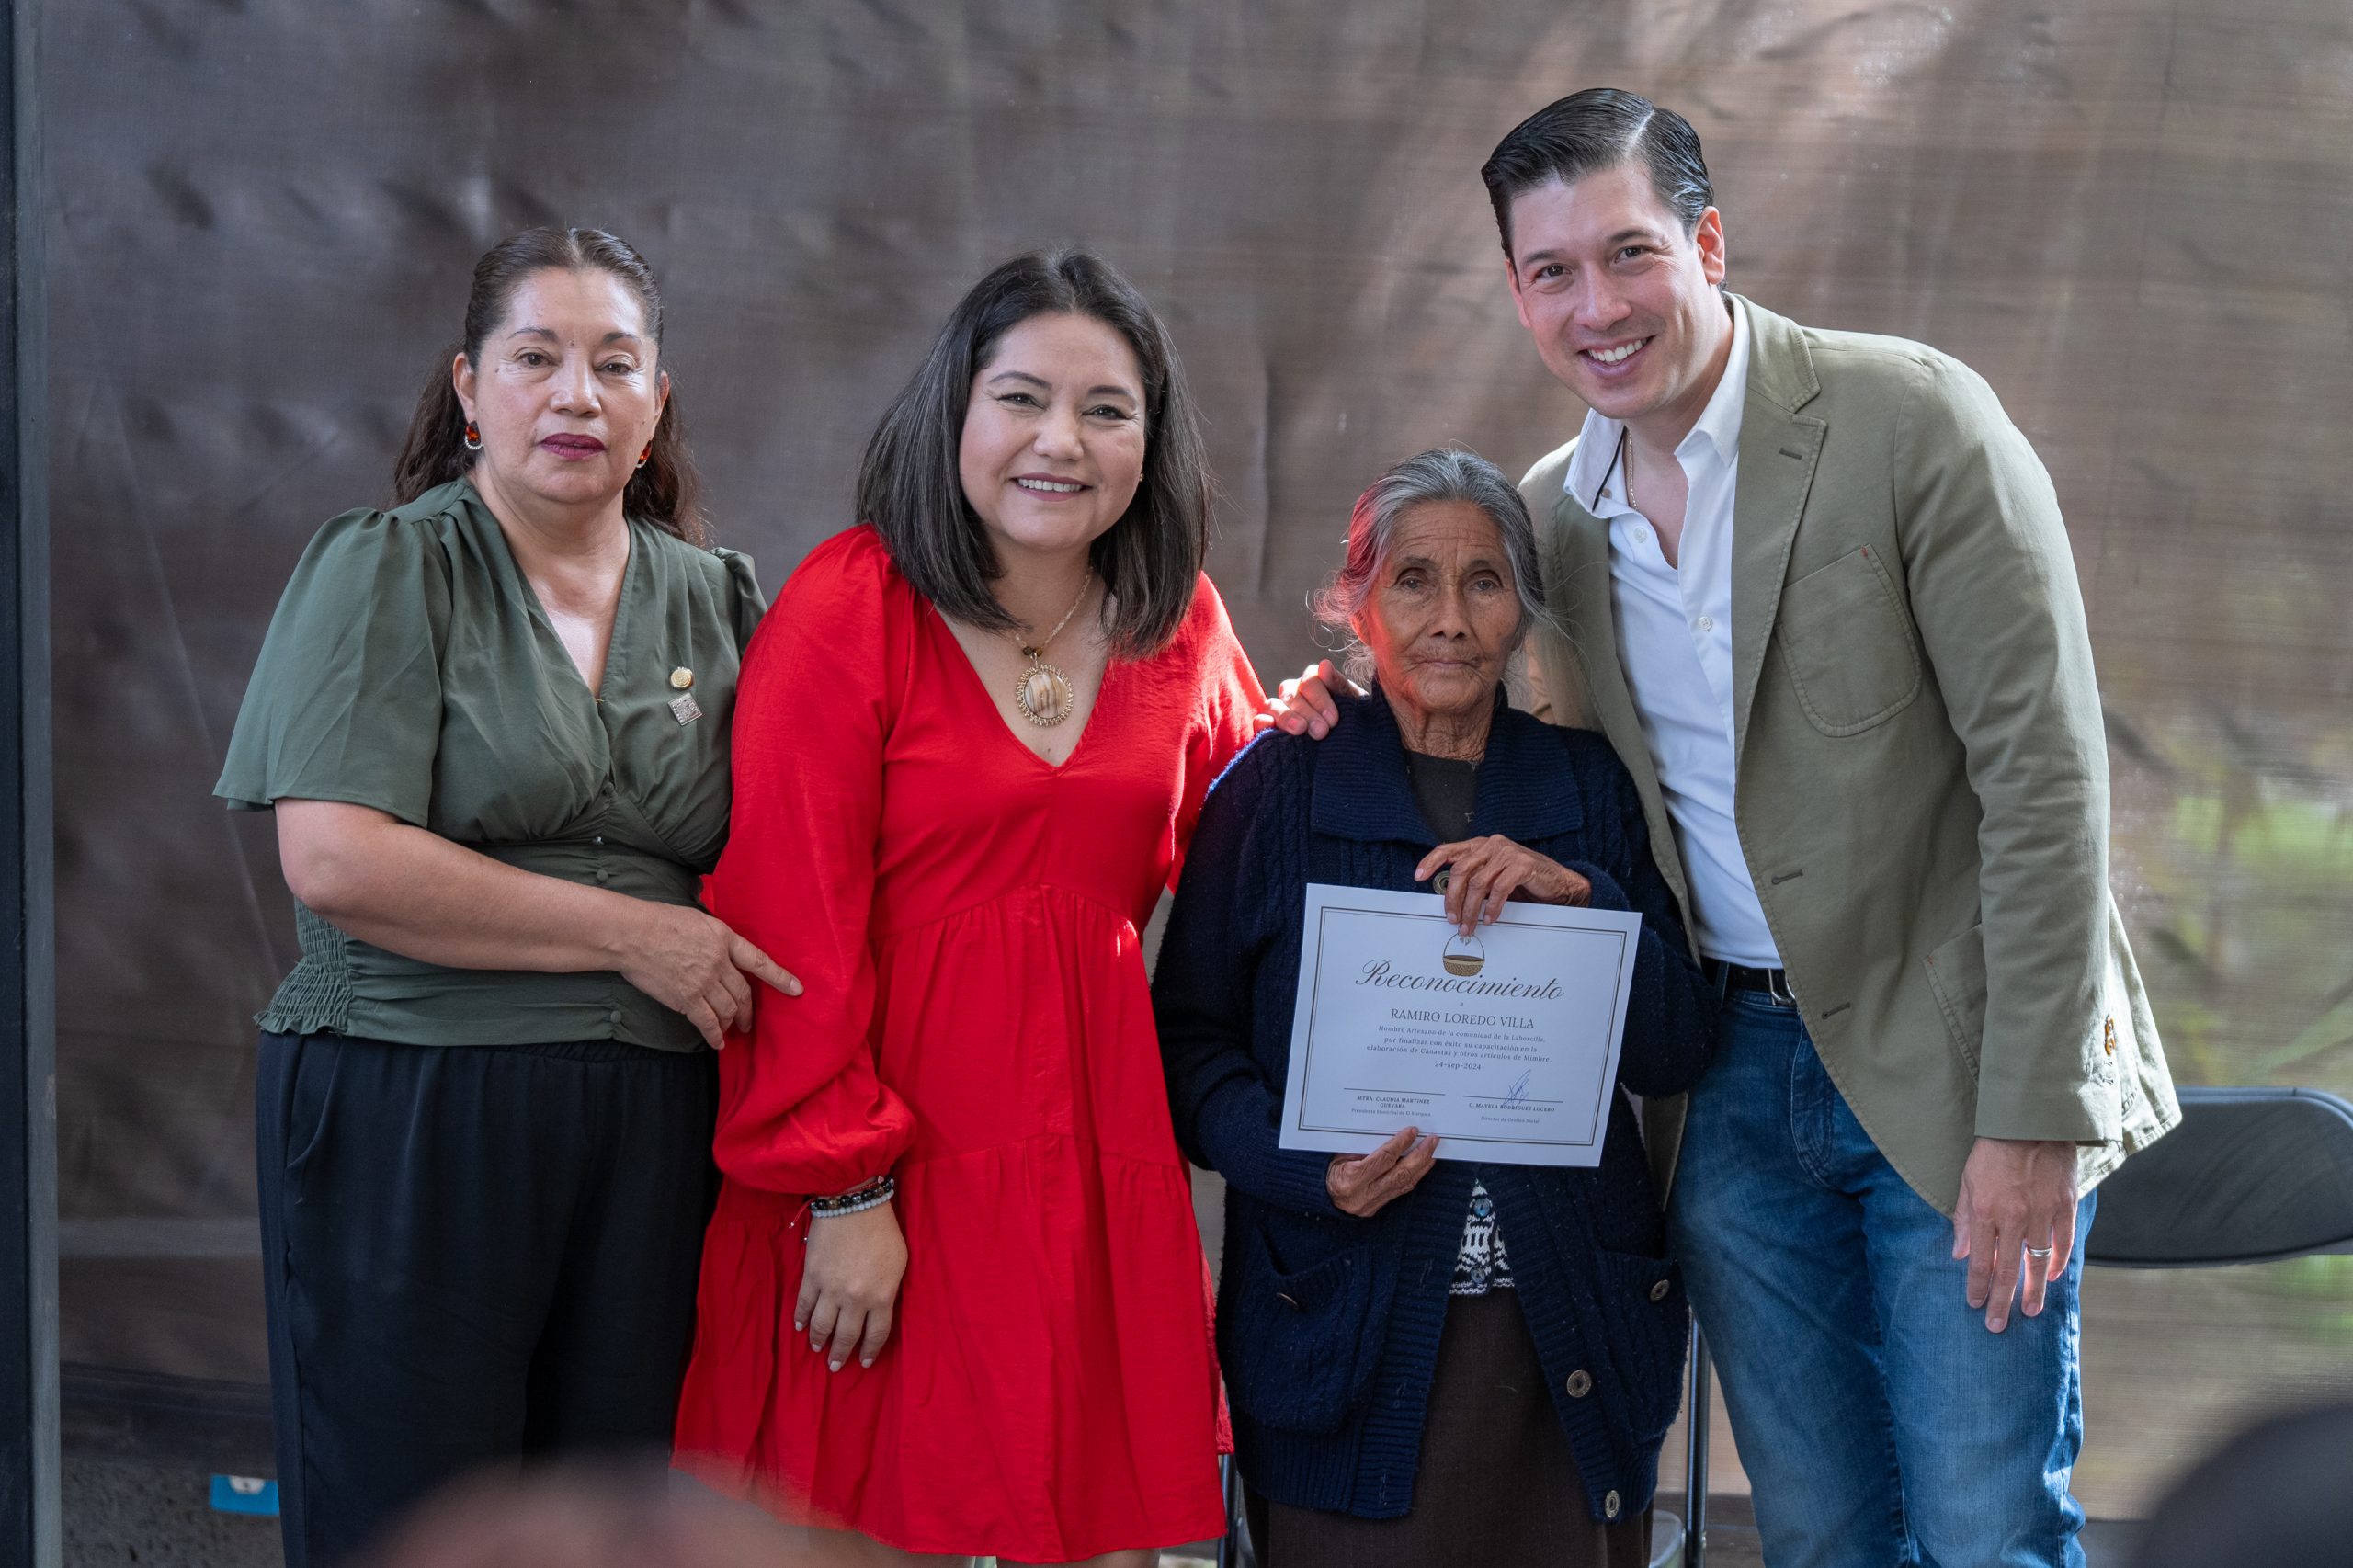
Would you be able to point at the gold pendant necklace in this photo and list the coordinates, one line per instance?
(1043, 693)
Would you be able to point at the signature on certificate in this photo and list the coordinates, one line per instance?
(1516, 1096)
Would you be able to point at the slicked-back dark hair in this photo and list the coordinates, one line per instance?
(667, 492)
(1596, 130)
(911, 488)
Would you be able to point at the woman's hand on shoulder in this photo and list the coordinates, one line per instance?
(849, 1284)
(1363, 1184)
(694, 965)
(1482, 874)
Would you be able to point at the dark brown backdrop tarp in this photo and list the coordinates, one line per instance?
(2132, 216)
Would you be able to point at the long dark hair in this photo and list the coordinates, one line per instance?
(666, 492)
(909, 486)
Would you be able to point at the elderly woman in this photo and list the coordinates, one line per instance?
(1430, 1361)
(491, 722)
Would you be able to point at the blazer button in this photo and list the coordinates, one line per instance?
(1658, 1292)
(1580, 1383)
(1609, 1506)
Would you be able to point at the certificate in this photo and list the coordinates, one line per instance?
(1503, 1044)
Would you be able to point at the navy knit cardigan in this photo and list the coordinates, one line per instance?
(1328, 1324)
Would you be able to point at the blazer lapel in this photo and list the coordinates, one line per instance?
(1779, 449)
(1576, 567)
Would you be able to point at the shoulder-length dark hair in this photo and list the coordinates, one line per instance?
(666, 492)
(910, 485)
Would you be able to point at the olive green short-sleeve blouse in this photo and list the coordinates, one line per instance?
(411, 668)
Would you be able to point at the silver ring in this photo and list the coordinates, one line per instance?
(2038, 1252)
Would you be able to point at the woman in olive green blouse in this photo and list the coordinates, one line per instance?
(493, 724)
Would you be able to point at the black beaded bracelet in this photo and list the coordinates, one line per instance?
(858, 1200)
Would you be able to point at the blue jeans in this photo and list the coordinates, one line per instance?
(1879, 1421)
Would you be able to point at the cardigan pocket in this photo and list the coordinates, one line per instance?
(1299, 1346)
(1646, 1296)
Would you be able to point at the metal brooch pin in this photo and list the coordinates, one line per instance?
(683, 707)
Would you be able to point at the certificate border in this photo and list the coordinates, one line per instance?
(1594, 1134)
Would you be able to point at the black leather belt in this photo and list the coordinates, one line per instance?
(1772, 984)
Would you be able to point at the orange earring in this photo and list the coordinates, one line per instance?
(645, 454)
(473, 437)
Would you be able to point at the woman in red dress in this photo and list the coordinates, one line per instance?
(953, 1298)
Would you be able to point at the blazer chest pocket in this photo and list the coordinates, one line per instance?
(1300, 1346)
(1848, 645)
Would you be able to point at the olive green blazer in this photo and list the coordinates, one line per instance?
(1921, 771)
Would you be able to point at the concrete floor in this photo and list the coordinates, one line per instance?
(129, 1516)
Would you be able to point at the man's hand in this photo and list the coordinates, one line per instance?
(2016, 1197)
(1304, 706)
(1362, 1184)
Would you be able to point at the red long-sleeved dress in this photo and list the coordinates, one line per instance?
(964, 917)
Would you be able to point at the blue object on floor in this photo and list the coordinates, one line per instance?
(245, 1495)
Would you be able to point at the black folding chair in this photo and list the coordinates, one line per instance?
(2251, 1176)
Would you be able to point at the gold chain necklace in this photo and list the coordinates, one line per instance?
(1043, 694)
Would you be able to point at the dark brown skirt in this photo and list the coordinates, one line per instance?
(1497, 1486)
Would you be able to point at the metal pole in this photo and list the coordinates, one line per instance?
(28, 1458)
(1695, 1457)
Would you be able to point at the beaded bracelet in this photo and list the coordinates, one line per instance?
(857, 1200)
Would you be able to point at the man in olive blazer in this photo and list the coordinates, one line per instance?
(1914, 711)
(1815, 588)
(1820, 598)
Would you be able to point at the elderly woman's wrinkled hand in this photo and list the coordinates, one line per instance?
(1482, 874)
(1363, 1184)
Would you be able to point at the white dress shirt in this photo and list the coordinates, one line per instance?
(1675, 641)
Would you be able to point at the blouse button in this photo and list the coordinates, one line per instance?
(1610, 1505)
(1658, 1292)
(1580, 1383)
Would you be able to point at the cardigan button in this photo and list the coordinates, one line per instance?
(1658, 1292)
(1580, 1383)
(1609, 1506)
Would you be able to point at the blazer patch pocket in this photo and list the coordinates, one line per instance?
(1847, 645)
(1957, 975)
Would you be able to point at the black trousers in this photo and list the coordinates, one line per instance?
(472, 1254)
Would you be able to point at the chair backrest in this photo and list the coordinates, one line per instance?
(2250, 1175)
